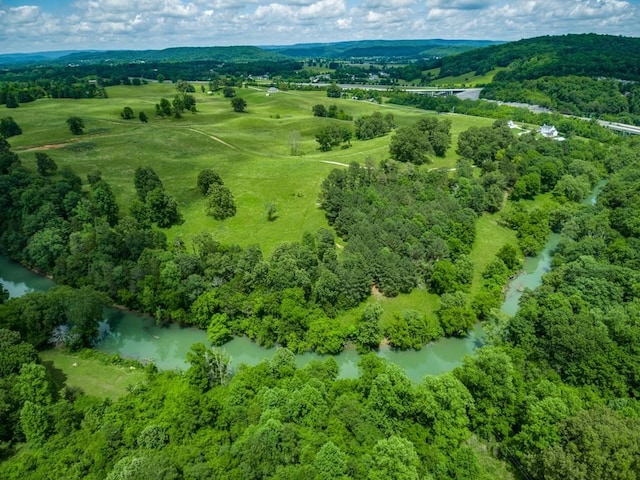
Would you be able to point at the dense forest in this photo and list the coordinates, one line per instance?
(554, 391)
(587, 55)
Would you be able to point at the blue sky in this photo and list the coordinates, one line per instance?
(37, 25)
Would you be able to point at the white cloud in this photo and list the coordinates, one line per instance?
(140, 24)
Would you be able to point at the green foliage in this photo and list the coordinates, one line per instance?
(206, 178)
(104, 201)
(374, 125)
(333, 135)
(145, 180)
(238, 104)
(330, 462)
(394, 457)
(495, 385)
(163, 208)
(9, 127)
(368, 334)
(209, 367)
(220, 202)
(35, 422)
(76, 125)
(127, 113)
(13, 352)
(45, 164)
(218, 331)
(334, 91)
(408, 145)
(411, 329)
(455, 314)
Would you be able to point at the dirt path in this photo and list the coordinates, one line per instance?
(44, 147)
(335, 163)
(213, 138)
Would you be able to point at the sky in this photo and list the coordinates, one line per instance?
(48, 25)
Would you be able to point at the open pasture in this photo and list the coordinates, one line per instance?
(252, 151)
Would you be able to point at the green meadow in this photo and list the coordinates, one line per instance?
(469, 79)
(252, 152)
(90, 375)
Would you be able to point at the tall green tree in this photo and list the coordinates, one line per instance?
(238, 104)
(220, 202)
(76, 125)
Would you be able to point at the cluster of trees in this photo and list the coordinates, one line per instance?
(334, 91)
(55, 78)
(271, 421)
(405, 227)
(554, 392)
(9, 127)
(333, 135)
(588, 55)
(13, 93)
(181, 102)
(220, 202)
(76, 125)
(128, 114)
(414, 144)
(154, 203)
(320, 110)
(374, 125)
(238, 104)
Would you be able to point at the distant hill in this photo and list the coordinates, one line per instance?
(380, 48)
(175, 54)
(36, 57)
(589, 55)
(339, 50)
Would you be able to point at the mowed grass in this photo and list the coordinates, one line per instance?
(89, 374)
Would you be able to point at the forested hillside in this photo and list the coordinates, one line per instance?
(589, 55)
(380, 49)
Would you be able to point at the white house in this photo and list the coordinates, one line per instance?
(548, 131)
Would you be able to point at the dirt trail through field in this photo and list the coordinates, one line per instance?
(334, 163)
(45, 147)
(213, 138)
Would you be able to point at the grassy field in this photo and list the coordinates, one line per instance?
(469, 79)
(251, 151)
(89, 374)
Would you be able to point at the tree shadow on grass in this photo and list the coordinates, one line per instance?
(58, 377)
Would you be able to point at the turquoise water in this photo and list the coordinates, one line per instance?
(137, 336)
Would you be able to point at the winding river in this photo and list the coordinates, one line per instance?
(136, 336)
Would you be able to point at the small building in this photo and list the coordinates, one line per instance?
(548, 131)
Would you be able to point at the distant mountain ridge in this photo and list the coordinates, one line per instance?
(331, 50)
(380, 48)
(35, 57)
